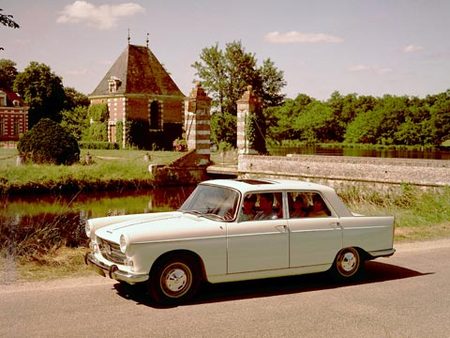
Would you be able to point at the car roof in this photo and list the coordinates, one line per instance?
(268, 184)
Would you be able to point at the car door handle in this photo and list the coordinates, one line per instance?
(335, 225)
(282, 228)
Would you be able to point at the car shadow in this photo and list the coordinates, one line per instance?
(375, 272)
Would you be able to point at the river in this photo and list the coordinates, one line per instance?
(35, 224)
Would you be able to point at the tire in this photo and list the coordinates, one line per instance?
(175, 279)
(348, 265)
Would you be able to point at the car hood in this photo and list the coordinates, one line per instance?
(160, 227)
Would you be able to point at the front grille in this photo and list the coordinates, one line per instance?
(111, 251)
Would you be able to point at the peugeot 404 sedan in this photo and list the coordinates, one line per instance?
(234, 230)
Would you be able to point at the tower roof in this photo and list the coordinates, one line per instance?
(137, 71)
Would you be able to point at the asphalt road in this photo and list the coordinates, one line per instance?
(407, 295)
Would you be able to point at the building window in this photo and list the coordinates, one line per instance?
(114, 84)
(2, 126)
(155, 115)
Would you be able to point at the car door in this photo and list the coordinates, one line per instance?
(259, 244)
(316, 237)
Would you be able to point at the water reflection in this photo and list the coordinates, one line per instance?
(436, 154)
(32, 225)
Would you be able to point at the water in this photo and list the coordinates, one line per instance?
(33, 225)
(436, 154)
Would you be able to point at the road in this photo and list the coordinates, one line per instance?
(406, 295)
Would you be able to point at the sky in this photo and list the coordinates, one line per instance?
(367, 47)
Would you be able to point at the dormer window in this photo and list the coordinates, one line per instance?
(114, 84)
(16, 103)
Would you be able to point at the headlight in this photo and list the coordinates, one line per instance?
(123, 243)
(87, 229)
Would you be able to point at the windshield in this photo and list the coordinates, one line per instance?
(212, 202)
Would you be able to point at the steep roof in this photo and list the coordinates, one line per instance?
(139, 72)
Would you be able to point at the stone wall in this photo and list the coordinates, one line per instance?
(340, 169)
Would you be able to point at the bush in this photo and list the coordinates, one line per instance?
(48, 142)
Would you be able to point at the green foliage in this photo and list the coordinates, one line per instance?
(96, 132)
(119, 133)
(223, 128)
(75, 121)
(42, 90)
(98, 112)
(74, 99)
(226, 74)
(8, 73)
(388, 120)
(48, 142)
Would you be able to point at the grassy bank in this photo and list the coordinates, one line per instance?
(107, 169)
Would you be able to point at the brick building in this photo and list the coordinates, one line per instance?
(13, 116)
(144, 103)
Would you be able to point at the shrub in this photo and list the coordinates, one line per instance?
(48, 142)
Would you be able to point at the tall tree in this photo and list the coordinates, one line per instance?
(226, 74)
(42, 90)
(8, 73)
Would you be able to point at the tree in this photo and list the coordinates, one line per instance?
(226, 74)
(314, 123)
(8, 73)
(76, 121)
(7, 20)
(42, 90)
(74, 99)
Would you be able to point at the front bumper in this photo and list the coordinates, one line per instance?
(113, 271)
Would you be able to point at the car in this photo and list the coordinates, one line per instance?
(238, 229)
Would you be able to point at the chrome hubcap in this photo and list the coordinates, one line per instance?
(176, 280)
(349, 262)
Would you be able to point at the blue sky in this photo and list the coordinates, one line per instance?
(368, 47)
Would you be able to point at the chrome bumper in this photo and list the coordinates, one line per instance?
(113, 271)
(382, 253)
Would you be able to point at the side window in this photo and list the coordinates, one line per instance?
(298, 204)
(269, 206)
(261, 206)
(307, 204)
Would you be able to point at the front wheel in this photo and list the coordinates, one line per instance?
(174, 280)
(347, 265)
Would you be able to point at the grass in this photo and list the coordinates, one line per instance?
(419, 215)
(109, 167)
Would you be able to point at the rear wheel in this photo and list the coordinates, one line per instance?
(347, 265)
(175, 279)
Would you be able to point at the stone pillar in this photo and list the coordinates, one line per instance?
(248, 105)
(197, 122)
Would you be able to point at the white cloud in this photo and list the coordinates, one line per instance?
(412, 48)
(103, 16)
(299, 37)
(371, 69)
